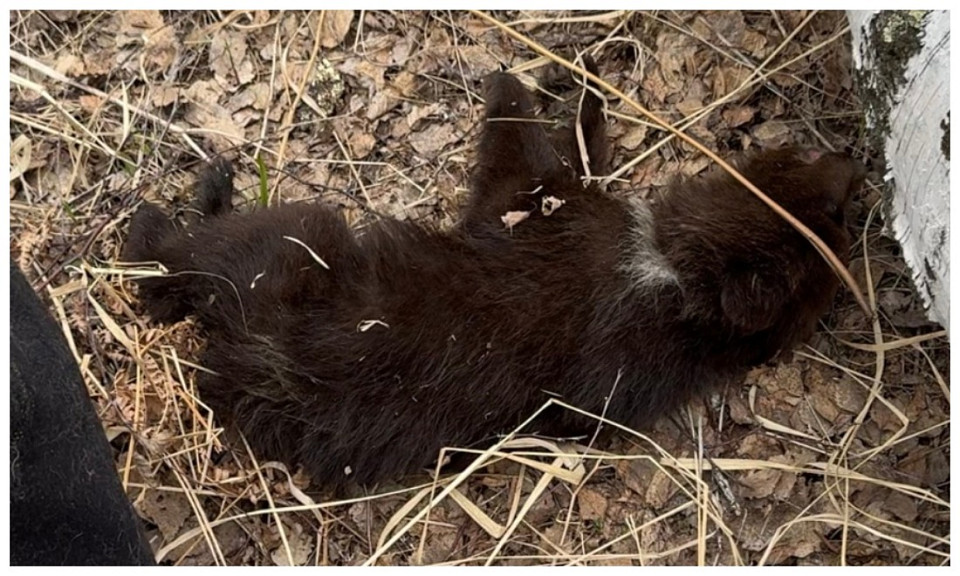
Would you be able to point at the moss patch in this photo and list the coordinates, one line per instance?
(895, 36)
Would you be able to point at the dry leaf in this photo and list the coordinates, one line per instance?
(228, 57)
(168, 510)
(418, 113)
(440, 542)
(256, 96)
(800, 541)
(755, 43)
(370, 75)
(690, 105)
(361, 143)
(69, 64)
(593, 504)
(61, 15)
(218, 121)
(162, 48)
(552, 537)
(645, 174)
(301, 547)
(230, 538)
(937, 468)
(772, 134)
(203, 92)
(848, 394)
(381, 103)
(164, 96)
(429, 142)
(551, 204)
(20, 153)
(654, 85)
(695, 165)
(203, 111)
(738, 115)
(147, 28)
(785, 80)
(405, 84)
(820, 395)
(514, 217)
(675, 50)
(727, 24)
(634, 137)
(901, 506)
(475, 61)
(729, 78)
(336, 24)
(660, 489)
(759, 483)
(400, 52)
(636, 474)
(90, 103)
(133, 24)
(98, 62)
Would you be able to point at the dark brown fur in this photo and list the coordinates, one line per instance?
(483, 324)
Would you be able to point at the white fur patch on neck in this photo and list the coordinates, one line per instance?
(642, 262)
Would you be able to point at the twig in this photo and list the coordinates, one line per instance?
(286, 127)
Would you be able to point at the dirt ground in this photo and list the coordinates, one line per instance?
(840, 454)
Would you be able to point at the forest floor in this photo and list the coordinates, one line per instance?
(838, 455)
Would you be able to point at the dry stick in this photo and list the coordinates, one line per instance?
(53, 74)
(936, 373)
(273, 508)
(822, 469)
(456, 54)
(348, 160)
(894, 344)
(874, 392)
(39, 89)
(703, 500)
(204, 524)
(286, 127)
(172, 397)
(273, 79)
(62, 136)
(596, 432)
(821, 247)
(880, 364)
(612, 15)
(538, 489)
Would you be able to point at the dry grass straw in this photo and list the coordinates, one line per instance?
(288, 117)
(567, 465)
(127, 108)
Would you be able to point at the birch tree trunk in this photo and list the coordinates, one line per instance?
(903, 62)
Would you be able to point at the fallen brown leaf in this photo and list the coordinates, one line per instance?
(430, 141)
(336, 24)
(228, 57)
(592, 504)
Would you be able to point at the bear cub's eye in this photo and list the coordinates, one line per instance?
(834, 211)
